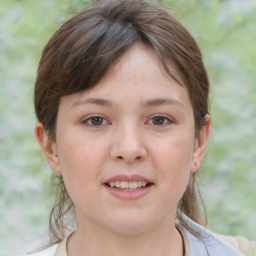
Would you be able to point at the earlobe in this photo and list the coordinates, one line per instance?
(48, 147)
(200, 144)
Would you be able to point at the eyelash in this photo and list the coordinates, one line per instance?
(89, 121)
(166, 120)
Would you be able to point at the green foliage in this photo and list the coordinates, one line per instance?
(226, 33)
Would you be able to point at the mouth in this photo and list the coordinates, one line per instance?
(128, 185)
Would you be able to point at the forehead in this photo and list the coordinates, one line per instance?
(141, 57)
(137, 77)
(138, 63)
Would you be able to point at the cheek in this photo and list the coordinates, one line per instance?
(173, 160)
(80, 161)
(79, 151)
(175, 152)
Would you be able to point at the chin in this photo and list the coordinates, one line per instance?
(130, 224)
(130, 230)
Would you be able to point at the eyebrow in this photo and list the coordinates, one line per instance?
(148, 103)
(162, 101)
(94, 101)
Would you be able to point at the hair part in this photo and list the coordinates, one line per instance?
(83, 50)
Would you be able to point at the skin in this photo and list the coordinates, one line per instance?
(135, 133)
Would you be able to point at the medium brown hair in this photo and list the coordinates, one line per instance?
(83, 50)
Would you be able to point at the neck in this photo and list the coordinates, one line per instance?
(161, 241)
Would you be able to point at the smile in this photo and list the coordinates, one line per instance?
(128, 186)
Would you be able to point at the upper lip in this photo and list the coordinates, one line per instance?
(129, 178)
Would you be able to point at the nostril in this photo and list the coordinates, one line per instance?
(136, 158)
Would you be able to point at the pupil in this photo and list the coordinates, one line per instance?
(97, 120)
(158, 120)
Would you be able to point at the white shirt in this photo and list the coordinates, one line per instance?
(209, 245)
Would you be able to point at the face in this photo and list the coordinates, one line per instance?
(127, 147)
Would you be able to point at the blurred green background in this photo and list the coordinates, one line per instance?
(226, 33)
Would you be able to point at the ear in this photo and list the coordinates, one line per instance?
(48, 147)
(200, 145)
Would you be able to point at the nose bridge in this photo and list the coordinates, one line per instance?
(128, 144)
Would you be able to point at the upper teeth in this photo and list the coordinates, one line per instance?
(126, 184)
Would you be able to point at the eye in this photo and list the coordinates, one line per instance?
(160, 120)
(95, 121)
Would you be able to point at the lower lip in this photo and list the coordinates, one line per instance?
(128, 195)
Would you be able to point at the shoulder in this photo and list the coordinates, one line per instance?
(247, 247)
(58, 249)
(46, 252)
(210, 244)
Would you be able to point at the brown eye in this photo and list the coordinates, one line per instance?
(97, 120)
(159, 120)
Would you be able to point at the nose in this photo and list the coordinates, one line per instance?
(128, 145)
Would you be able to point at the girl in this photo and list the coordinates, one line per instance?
(121, 98)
